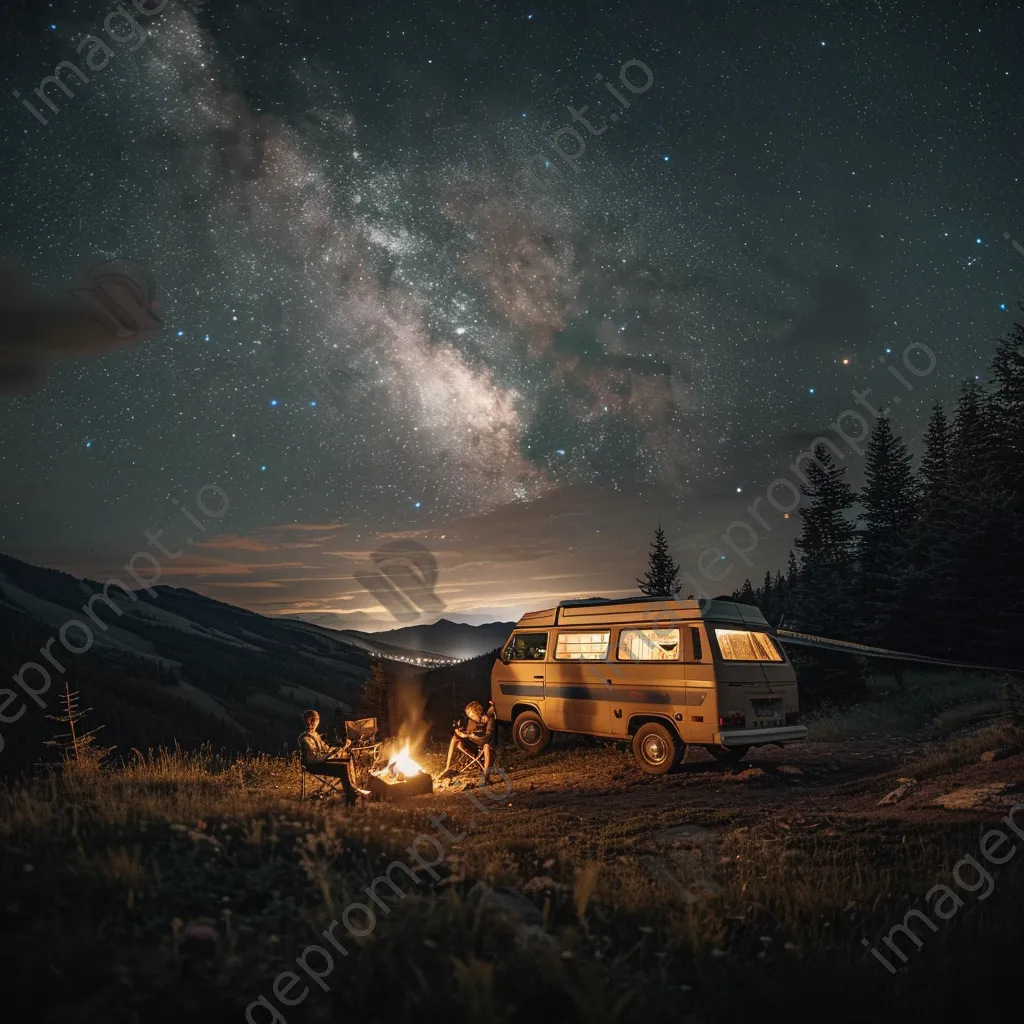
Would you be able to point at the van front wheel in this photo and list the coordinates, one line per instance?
(655, 748)
(530, 733)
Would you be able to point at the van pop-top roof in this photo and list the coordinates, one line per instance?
(654, 612)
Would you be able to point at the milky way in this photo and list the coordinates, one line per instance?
(389, 300)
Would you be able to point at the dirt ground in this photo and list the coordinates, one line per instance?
(828, 781)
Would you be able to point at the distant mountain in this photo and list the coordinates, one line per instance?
(176, 666)
(454, 639)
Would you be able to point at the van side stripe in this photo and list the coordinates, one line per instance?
(604, 693)
(522, 689)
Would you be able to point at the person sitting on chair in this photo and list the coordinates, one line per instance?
(479, 732)
(320, 758)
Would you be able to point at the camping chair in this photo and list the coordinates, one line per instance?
(468, 759)
(319, 785)
(366, 744)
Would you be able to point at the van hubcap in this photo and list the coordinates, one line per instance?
(655, 749)
(529, 732)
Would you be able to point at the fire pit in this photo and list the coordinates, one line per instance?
(401, 777)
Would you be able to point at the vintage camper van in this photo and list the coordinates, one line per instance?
(654, 672)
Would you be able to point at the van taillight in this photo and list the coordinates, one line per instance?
(792, 716)
(733, 720)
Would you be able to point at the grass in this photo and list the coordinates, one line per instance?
(933, 703)
(182, 884)
(1001, 739)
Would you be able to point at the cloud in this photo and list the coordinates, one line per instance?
(236, 543)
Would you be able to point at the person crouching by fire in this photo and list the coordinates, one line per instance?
(476, 737)
(320, 758)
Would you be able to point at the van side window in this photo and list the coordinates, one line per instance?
(527, 647)
(698, 650)
(649, 645)
(582, 646)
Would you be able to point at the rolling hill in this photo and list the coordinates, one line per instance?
(171, 665)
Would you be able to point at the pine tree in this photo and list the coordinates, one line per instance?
(792, 569)
(935, 463)
(824, 597)
(890, 502)
(79, 750)
(375, 695)
(662, 576)
(1008, 411)
(962, 607)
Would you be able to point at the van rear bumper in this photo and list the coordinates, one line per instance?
(755, 737)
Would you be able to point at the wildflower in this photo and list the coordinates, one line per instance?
(200, 935)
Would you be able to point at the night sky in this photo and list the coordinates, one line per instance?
(357, 346)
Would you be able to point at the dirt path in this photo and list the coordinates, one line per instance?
(601, 786)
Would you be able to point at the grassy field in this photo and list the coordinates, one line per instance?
(578, 890)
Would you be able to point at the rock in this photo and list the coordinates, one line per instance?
(898, 793)
(749, 774)
(992, 796)
(540, 884)
(988, 755)
(789, 769)
(505, 901)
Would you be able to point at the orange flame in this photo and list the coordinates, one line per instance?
(400, 766)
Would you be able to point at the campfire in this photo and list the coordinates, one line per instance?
(400, 777)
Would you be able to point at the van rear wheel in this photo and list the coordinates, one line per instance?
(655, 748)
(530, 732)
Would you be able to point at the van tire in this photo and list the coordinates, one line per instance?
(655, 748)
(530, 733)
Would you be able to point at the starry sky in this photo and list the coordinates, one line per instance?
(410, 290)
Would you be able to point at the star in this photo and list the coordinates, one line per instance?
(273, 401)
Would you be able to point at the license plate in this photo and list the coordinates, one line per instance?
(767, 713)
(764, 708)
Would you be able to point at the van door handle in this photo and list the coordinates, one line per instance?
(538, 677)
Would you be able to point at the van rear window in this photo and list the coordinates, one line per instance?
(743, 645)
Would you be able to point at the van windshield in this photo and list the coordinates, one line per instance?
(745, 645)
